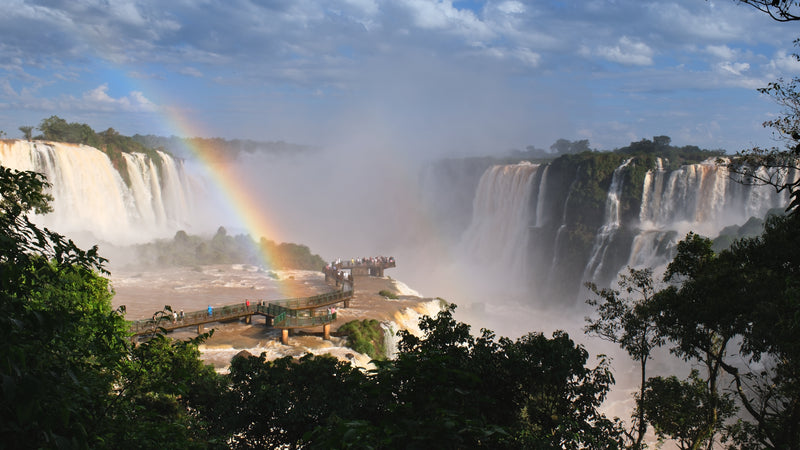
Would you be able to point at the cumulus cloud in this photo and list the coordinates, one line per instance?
(443, 16)
(785, 64)
(734, 68)
(339, 52)
(721, 52)
(627, 52)
(511, 7)
(98, 100)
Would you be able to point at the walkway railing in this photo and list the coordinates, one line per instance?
(285, 313)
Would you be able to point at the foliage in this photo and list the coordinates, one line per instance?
(69, 377)
(192, 250)
(446, 389)
(388, 294)
(27, 132)
(684, 410)
(745, 298)
(776, 167)
(365, 337)
(273, 404)
(779, 10)
(112, 143)
(629, 322)
(60, 336)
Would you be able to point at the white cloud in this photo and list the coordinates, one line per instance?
(528, 57)
(627, 52)
(785, 63)
(734, 68)
(441, 15)
(721, 52)
(98, 99)
(511, 7)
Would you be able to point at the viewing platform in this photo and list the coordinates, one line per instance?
(285, 314)
(365, 266)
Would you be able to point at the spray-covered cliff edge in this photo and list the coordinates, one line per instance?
(134, 198)
(547, 227)
(539, 227)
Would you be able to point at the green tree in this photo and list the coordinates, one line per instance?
(69, 377)
(679, 410)
(27, 132)
(61, 338)
(737, 312)
(448, 389)
(629, 322)
(781, 164)
(276, 404)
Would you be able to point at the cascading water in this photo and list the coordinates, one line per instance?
(698, 197)
(513, 230)
(605, 235)
(90, 195)
(558, 240)
(498, 233)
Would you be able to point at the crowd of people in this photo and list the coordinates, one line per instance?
(371, 261)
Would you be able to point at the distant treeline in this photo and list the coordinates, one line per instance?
(218, 147)
(56, 129)
(660, 145)
(190, 250)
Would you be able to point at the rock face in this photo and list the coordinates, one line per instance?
(550, 227)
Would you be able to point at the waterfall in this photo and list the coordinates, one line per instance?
(557, 242)
(698, 197)
(606, 233)
(541, 198)
(499, 231)
(91, 196)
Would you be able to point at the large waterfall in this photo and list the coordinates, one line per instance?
(498, 234)
(152, 198)
(529, 220)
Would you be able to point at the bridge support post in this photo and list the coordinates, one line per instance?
(201, 329)
(247, 319)
(285, 336)
(326, 332)
(347, 303)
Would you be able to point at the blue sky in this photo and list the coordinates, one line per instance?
(425, 77)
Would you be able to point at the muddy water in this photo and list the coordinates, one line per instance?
(144, 292)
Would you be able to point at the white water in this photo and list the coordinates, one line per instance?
(90, 196)
(609, 229)
(497, 238)
(701, 198)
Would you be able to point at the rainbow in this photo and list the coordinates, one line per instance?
(250, 208)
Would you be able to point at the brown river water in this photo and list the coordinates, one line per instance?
(144, 292)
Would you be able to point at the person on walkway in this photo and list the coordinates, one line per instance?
(210, 311)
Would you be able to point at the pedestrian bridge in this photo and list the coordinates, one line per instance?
(285, 314)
